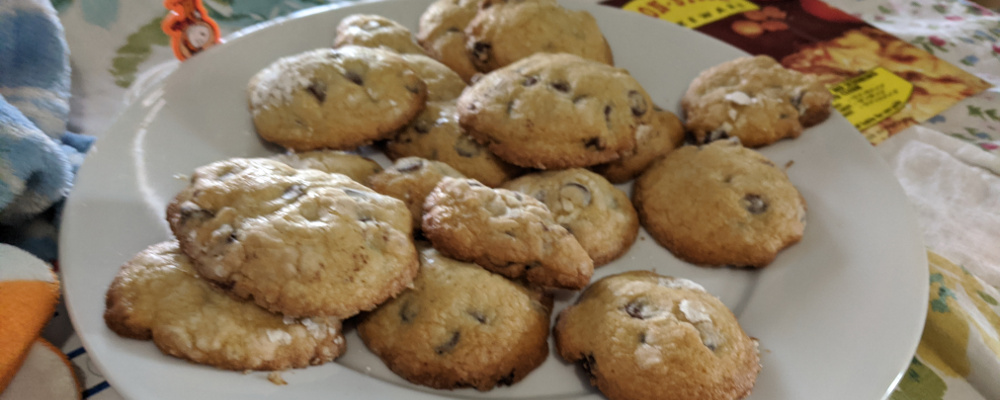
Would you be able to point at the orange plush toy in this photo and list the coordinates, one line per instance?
(30, 367)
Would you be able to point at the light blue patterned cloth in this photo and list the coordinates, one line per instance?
(38, 157)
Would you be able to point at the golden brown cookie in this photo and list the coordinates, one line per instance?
(443, 84)
(158, 296)
(442, 34)
(720, 204)
(663, 134)
(436, 135)
(505, 232)
(754, 99)
(267, 231)
(556, 111)
(505, 31)
(369, 30)
(600, 216)
(356, 167)
(334, 98)
(460, 326)
(643, 336)
(411, 179)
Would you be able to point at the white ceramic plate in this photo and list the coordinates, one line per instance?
(838, 315)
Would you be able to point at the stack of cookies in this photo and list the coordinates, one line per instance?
(500, 193)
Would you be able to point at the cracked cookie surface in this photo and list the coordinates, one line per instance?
(505, 31)
(720, 204)
(660, 136)
(754, 99)
(334, 98)
(411, 179)
(436, 135)
(158, 296)
(355, 166)
(368, 30)
(600, 216)
(266, 231)
(505, 232)
(640, 335)
(460, 326)
(556, 111)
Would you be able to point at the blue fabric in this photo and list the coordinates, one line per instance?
(37, 156)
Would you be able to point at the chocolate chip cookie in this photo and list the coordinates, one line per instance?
(643, 336)
(334, 98)
(356, 167)
(663, 134)
(266, 231)
(442, 34)
(411, 179)
(158, 295)
(720, 204)
(754, 99)
(556, 111)
(505, 232)
(368, 30)
(506, 31)
(436, 135)
(443, 84)
(460, 326)
(600, 216)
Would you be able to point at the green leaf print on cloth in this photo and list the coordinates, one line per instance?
(919, 383)
(138, 47)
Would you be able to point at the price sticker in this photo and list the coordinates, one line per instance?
(871, 97)
(690, 13)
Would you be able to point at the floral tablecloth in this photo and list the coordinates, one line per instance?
(948, 166)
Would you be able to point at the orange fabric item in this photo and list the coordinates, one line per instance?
(25, 308)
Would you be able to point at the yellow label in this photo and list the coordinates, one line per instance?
(871, 97)
(690, 13)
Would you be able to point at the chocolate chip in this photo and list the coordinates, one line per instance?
(466, 147)
(637, 102)
(318, 90)
(192, 212)
(506, 380)
(448, 346)
(478, 316)
(589, 364)
(642, 337)
(530, 81)
(594, 143)
(354, 77)
(410, 166)
(421, 127)
(754, 203)
(560, 86)
(637, 309)
(407, 313)
(575, 191)
(293, 192)
(481, 52)
(607, 115)
(232, 238)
